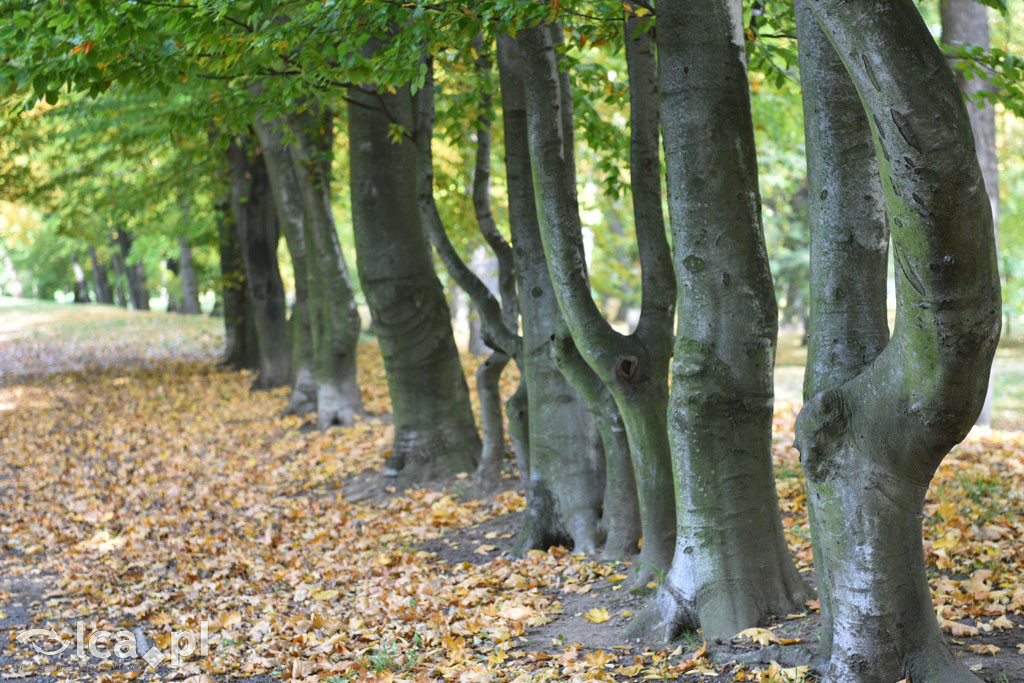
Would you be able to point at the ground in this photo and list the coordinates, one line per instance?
(144, 489)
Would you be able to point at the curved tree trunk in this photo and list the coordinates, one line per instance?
(189, 284)
(565, 465)
(635, 367)
(731, 567)
(965, 22)
(257, 229)
(291, 218)
(871, 444)
(99, 277)
(434, 430)
(336, 323)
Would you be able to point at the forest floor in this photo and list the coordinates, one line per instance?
(143, 489)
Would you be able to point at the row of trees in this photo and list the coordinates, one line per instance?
(610, 451)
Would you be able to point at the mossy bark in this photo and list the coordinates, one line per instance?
(434, 430)
(565, 465)
(731, 567)
(620, 516)
(633, 367)
(871, 443)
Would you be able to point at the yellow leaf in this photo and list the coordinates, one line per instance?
(615, 578)
(1002, 622)
(983, 649)
(761, 636)
(325, 595)
(597, 615)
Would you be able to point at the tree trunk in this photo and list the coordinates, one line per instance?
(81, 284)
(476, 345)
(731, 567)
(435, 434)
(291, 218)
(189, 284)
(240, 345)
(134, 274)
(118, 264)
(257, 229)
(620, 517)
(870, 442)
(634, 367)
(488, 388)
(965, 22)
(335, 319)
(99, 277)
(565, 465)
(849, 236)
(501, 319)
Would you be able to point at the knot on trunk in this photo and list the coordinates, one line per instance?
(626, 367)
(819, 427)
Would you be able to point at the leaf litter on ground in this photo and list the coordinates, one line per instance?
(151, 489)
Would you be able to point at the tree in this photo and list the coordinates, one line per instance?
(873, 435)
(731, 567)
(99, 275)
(292, 219)
(633, 367)
(257, 231)
(965, 24)
(500, 320)
(564, 491)
(435, 434)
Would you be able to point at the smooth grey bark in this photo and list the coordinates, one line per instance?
(335, 319)
(435, 434)
(241, 348)
(849, 233)
(291, 218)
(731, 567)
(499, 320)
(255, 222)
(565, 472)
(104, 295)
(871, 444)
(965, 22)
(189, 284)
(634, 367)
